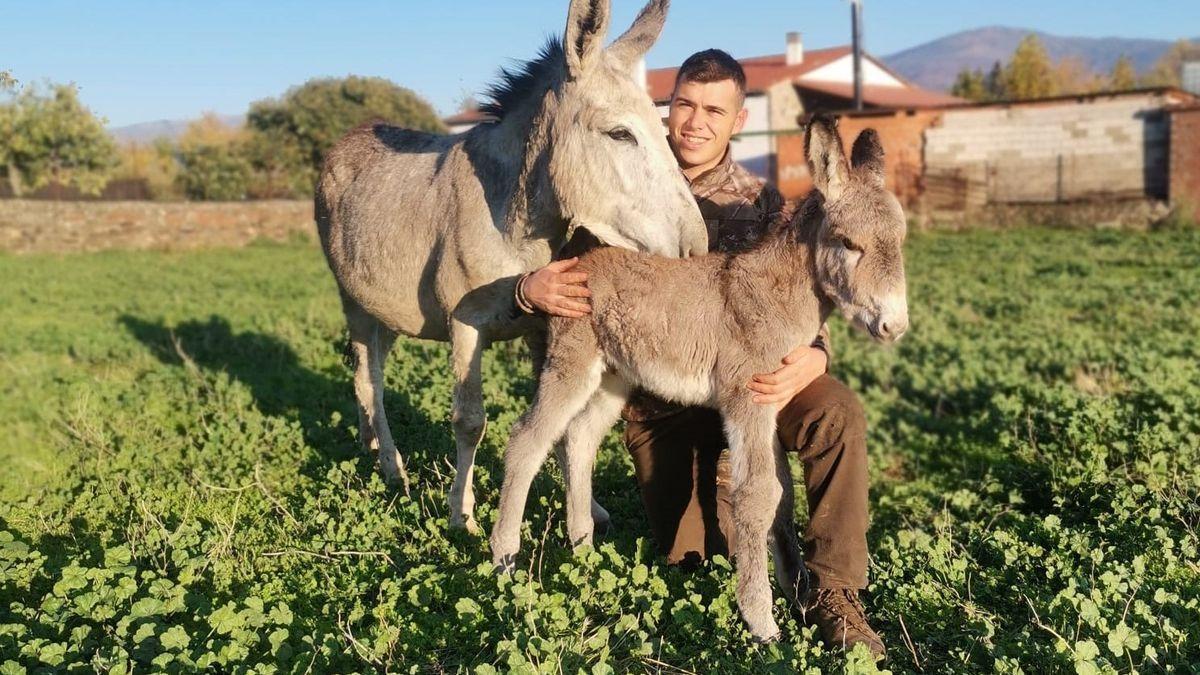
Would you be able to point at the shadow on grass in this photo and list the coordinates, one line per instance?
(281, 385)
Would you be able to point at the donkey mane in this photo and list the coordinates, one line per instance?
(524, 81)
(797, 229)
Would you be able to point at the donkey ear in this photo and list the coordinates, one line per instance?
(642, 35)
(867, 156)
(826, 159)
(587, 24)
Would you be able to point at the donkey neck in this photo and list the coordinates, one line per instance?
(519, 190)
(784, 264)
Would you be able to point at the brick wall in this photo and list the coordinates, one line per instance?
(902, 136)
(1063, 150)
(50, 226)
(1184, 179)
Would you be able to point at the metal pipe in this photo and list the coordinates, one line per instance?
(856, 36)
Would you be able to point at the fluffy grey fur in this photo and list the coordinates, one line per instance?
(426, 234)
(696, 331)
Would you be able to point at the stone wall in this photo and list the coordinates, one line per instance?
(1100, 147)
(61, 227)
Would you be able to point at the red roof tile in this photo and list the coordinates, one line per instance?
(761, 71)
(884, 97)
(467, 117)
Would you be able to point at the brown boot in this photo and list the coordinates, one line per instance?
(841, 619)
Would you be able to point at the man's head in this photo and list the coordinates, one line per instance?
(706, 109)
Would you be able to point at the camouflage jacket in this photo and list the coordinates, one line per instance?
(738, 208)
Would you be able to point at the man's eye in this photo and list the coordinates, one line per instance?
(623, 135)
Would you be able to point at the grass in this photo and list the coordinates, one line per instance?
(181, 488)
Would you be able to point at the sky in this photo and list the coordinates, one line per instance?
(140, 61)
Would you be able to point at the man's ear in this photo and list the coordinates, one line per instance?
(739, 121)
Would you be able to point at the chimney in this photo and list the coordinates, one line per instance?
(795, 49)
(639, 72)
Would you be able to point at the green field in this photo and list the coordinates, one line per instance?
(181, 488)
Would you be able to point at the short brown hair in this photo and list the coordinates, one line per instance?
(712, 65)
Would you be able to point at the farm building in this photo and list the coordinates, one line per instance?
(780, 88)
(1135, 145)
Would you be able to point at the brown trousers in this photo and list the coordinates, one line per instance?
(684, 480)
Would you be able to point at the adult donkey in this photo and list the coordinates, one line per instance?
(426, 234)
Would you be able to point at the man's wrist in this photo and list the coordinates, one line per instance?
(519, 298)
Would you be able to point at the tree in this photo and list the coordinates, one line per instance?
(993, 83)
(1073, 76)
(1029, 74)
(275, 155)
(53, 137)
(213, 165)
(969, 84)
(156, 163)
(1123, 77)
(7, 81)
(1166, 72)
(315, 115)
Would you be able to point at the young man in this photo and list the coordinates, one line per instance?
(679, 453)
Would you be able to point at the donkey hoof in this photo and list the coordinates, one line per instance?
(768, 638)
(504, 564)
(466, 522)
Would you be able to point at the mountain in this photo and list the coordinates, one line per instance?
(145, 132)
(935, 64)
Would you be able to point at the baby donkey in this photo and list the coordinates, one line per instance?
(696, 331)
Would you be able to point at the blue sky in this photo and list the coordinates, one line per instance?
(138, 61)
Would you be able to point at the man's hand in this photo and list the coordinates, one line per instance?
(805, 364)
(554, 290)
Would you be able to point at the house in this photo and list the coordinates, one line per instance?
(780, 88)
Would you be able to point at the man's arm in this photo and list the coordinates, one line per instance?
(805, 363)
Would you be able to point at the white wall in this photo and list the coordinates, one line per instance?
(842, 70)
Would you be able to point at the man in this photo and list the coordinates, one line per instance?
(679, 453)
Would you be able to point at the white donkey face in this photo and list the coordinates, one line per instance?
(610, 164)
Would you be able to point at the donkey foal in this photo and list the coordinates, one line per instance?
(695, 331)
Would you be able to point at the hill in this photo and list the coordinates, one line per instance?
(145, 132)
(934, 64)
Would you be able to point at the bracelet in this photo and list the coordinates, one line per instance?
(519, 296)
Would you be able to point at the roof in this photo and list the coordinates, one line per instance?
(761, 71)
(882, 96)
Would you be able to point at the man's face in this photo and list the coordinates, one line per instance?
(703, 117)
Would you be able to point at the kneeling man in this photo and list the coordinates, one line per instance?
(679, 453)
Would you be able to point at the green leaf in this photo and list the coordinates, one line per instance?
(175, 638)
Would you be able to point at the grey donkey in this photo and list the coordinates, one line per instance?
(427, 234)
(695, 331)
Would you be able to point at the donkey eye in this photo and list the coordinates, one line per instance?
(849, 245)
(623, 135)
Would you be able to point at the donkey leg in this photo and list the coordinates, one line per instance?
(790, 572)
(561, 395)
(584, 435)
(536, 342)
(468, 419)
(370, 343)
(750, 431)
